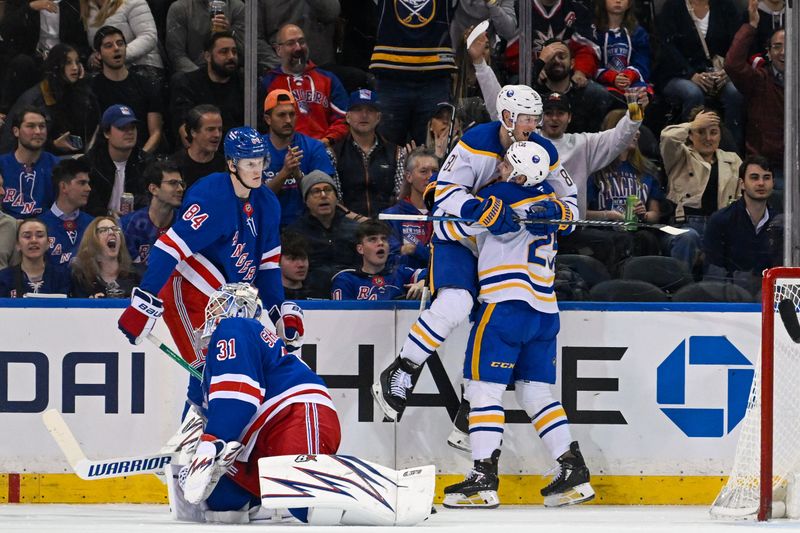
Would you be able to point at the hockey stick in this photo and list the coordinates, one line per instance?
(87, 469)
(788, 314)
(672, 230)
(175, 357)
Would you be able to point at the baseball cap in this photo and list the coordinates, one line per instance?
(276, 97)
(314, 177)
(556, 101)
(363, 97)
(118, 116)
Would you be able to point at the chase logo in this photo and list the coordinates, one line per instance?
(671, 386)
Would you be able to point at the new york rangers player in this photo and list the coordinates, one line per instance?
(227, 231)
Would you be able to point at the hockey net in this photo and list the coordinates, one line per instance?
(759, 482)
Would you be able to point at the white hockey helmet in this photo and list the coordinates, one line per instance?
(230, 300)
(518, 100)
(529, 159)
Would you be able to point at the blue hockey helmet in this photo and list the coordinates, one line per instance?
(245, 143)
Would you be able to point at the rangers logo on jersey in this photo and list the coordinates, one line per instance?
(414, 13)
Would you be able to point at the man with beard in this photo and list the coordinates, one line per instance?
(736, 242)
(116, 163)
(27, 170)
(116, 85)
(292, 154)
(204, 133)
(143, 226)
(218, 84)
(65, 222)
(319, 95)
(190, 23)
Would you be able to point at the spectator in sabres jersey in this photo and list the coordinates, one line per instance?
(64, 220)
(103, 266)
(409, 239)
(27, 170)
(374, 281)
(320, 97)
(34, 274)
(143, 226)
(292, 154)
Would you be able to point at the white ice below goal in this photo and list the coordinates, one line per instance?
(772, 422)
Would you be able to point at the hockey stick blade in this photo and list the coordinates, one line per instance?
(789, 318)
(671, 230)
(174, 356)
(104, 469)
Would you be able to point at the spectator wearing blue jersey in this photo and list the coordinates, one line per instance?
(65, 221)
(331, 236)
(142, 227)
(103, 266)
(292, 154)
(8, 234)
(409, 240)
(27, 170)
(374, 280)
(34, 274)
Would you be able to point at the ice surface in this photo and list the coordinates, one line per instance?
(118, 518)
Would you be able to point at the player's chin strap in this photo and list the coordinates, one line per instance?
(238, 177)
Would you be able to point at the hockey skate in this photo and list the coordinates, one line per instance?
(394, 386)
(570, 485)
(478, 490)
(459, 436)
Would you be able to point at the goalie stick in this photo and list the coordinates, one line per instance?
(153, 463)
(789, 318)
(672, 230)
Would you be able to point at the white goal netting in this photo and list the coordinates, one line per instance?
(740, 497)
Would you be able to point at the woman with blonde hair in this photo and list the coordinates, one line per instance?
(103, 266)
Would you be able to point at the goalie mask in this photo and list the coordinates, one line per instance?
(231, 300)
(528, 159)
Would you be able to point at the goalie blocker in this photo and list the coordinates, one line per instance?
(325, 490)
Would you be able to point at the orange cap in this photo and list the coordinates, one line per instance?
(276, 97)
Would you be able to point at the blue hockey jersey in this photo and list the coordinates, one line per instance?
(387, 284)
(249, 378)
(29, 190)
(219, 238)
(64, 236)
(315, 157)
(140, 234)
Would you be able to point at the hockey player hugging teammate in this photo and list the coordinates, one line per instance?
(514, 337)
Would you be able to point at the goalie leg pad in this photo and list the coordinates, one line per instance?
(359, 492)
(179, 508)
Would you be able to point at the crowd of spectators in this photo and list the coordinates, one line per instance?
(111, 109)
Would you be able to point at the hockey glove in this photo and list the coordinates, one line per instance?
(547, 210)
(210, 462)
(138, 320)
(491, 213)
(429, 195)
(290, 326)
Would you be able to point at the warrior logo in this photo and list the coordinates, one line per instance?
(414, 13)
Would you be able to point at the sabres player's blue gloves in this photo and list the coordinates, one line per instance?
(138, 320)
(547, 210)
(491, 213)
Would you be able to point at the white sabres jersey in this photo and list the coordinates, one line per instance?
(472, 165)
(519, 265)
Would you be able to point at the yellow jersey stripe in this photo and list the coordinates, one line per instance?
(523, 268)
(519, 285)
(468, 148)
(406, 59)
(543, 421)
(528, 201)
(476, 345)
(402, 49)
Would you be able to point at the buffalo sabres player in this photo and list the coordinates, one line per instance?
(469, 167)
(257, 402)
(227, 231)
(513, 338)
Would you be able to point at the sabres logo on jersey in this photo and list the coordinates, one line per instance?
(414, 13)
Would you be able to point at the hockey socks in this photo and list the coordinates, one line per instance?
(450, 308)
(485, 430)
(552, 426)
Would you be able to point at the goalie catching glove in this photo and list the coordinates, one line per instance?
(548, 210)
(139, 319)
(211, 461)
(492, 214)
